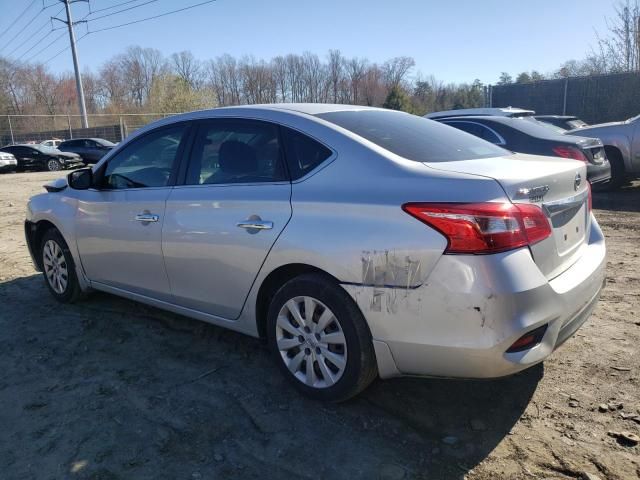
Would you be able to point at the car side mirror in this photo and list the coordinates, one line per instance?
(81, 179)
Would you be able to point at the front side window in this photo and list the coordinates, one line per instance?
(414, 138)
(146, 162)
(235, 151)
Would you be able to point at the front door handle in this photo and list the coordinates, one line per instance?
(255, 225)
(147, 217)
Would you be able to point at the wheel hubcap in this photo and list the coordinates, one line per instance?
(53, 165)
(311, 342)
(55, 266)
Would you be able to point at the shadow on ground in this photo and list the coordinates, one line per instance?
(108, 389)
(625, 199)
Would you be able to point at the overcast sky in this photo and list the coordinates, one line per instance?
(455, 40)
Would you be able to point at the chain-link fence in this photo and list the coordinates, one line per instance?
(594, 99)
(37, 128)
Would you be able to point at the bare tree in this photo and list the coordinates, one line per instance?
(619, 49)
(335, 72)
(396, 69)
(187, 68)
(356, 69)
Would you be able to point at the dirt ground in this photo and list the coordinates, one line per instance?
(110, 389)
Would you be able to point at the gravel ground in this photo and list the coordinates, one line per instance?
(109, 389)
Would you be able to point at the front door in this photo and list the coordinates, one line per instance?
(119, 222)
(220, 225)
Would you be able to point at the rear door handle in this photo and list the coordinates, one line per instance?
(255, 225)
(147, 217)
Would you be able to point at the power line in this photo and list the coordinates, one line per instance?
(31, 38)
(12, 24)
(45, 48)
(20, 32)
(123, 10)
(110, 7)
(110, 28)
(150, 18)
(64, 49)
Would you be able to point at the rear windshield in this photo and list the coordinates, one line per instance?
(414, 138)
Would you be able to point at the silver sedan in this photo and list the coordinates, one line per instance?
(358, 242)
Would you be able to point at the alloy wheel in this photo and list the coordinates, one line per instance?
(55, 266)
(53, 165)
(311, 342)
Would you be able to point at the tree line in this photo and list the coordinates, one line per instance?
(142, 80)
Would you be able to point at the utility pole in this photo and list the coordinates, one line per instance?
(76, 66)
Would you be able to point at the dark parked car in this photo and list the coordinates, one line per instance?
(565, 122)
(90, 149)
(42, 158)
(527, 135)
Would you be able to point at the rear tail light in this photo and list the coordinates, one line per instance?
(570, 152)
(528, 340)
(481, 228)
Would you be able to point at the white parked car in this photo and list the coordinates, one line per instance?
(53, 143)
(8, 162)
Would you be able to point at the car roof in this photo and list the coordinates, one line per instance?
(83, 138)
(559, 117)
(305, 108)
(308, 108)
(497, 112)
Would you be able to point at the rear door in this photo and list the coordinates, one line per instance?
(222, 222)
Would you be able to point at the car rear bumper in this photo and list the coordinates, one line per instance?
(471, 309)
(598, 173)
(73, 162)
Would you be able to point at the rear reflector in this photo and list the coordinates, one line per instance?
(481, 228)
(570, 152)
(528, 340)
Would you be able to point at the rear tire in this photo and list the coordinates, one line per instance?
(328, 356)
(58, 269)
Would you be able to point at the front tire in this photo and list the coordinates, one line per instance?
(320, 339)
(58, 268)
(53, 165)
(618, 174)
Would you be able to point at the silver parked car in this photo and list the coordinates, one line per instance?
(622, 144)
(357, 241)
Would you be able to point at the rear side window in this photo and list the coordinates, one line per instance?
(412, 137)
(303, 153)
(478, 130)
(236, 151)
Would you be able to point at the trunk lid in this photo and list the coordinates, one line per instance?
(557, 185)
